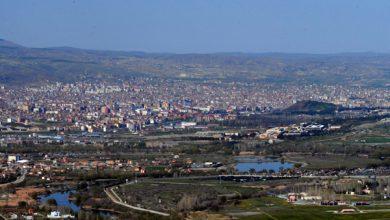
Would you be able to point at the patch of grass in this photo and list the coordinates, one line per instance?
(377, 139)
(276, 208)
(333, 161)
(262, 202)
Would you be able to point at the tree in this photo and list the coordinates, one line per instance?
(52, 202)
(222, 199)
(187, 203)
(297, 165)
(22, 204)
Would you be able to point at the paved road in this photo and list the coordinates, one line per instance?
(3, 217)
(117, 200)
(21, 178)
(349, 177)
(18, 180)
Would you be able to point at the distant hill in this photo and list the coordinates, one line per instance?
(5, 43)
(312, 107)
(20, 65)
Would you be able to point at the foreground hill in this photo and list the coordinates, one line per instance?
(19, 65)
(312, 107)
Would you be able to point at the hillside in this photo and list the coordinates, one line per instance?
(312, 107)
(19, 65)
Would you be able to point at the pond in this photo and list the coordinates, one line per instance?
(62, 199)
(263, 164)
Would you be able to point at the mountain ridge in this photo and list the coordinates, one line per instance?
(229, 53)
(21, 65)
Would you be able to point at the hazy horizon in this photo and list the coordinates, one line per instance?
(198, 53)
(298, 27)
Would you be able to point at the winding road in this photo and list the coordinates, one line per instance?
(115, 198)
(18, 180)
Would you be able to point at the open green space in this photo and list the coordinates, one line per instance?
(167, 196)
(276, 208)
(333, 161)
(377, 139)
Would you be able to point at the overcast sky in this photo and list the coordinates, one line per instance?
(200, 26)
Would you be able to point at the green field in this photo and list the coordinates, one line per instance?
(276, 208)
(377, 139)
(333, 161)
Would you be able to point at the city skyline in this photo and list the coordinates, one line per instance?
(196, 109)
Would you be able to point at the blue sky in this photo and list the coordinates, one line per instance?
(200, 26)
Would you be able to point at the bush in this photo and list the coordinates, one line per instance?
(297, 165)
(22, 204)
(51, 202)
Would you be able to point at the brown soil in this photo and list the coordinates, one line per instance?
(21, 194)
